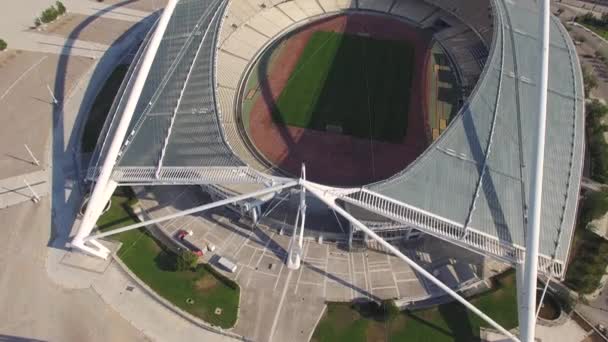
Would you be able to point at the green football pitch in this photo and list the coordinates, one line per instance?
(356, 84)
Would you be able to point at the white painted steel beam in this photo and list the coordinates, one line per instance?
(528, 322)
(90, 216)
(200, 208)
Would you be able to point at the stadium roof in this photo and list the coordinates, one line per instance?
(470, 187)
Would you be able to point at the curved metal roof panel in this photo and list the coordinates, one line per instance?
(477, 173)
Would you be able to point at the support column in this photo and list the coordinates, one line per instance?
(89, 220)
(104, 184)
(295, 253)
(521, 295)
(527, 323)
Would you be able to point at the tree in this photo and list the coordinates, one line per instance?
(60, 7)
(589, 81)
(49, 14)
(187, 261)
(390, 309)
(2, 44)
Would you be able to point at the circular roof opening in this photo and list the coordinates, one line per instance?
(349, 96)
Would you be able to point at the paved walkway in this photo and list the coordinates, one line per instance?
(16, 27)
(15, 190)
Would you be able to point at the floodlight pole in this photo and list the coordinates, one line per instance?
(527, 319)
(55, 101)
(34, 160)
(104, 185)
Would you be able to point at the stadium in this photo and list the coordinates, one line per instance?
(411, 118)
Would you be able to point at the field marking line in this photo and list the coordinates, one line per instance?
(384, 288)
(280, 306)
(276, 283)
(21, 77)
(394, 278)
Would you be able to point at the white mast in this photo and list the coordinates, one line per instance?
(527, 319)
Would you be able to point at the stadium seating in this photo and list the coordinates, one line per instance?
(414, 10)
(376, 5)
(476, 13)
(292, 10)
(251, 24)
(311, 8)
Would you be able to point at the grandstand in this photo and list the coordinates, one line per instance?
(469, 188)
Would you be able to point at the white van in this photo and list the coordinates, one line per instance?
(227, 264)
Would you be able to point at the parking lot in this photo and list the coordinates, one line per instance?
(277, 302)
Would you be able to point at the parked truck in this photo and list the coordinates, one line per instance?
(228, 264)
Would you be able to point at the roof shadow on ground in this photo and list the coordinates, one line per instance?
(67, 186)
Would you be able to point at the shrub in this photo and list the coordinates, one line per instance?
(390, 309)
(589, 81)
(37, 22)
(2, 45)
(598, 148)
(589, 265)
(186, 261)
(60, 7)
(49, 14)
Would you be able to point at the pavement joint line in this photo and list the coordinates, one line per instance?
(21, 77)
(368, 284)
(301, 268)
(407, 280)
(264, 251)
(383, 288)
(326, 272)
(303, 282)
(379, 270)
(276, 283)
(395, 282)
(351, 275)
(277, 314)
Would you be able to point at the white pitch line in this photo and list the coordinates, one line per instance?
(21, 77)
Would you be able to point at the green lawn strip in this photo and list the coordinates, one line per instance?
(448, 322)
(358, 83)
(101, 108)
(155, 266)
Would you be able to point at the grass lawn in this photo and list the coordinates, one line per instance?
(357, 83)
(101, 107)
(156, 267)
(448, 322)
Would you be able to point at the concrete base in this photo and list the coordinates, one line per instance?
(83, 259)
